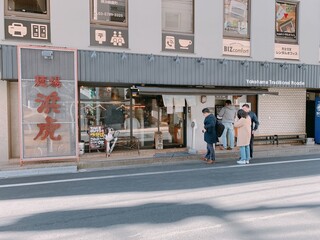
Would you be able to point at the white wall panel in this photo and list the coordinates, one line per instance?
(284, 113)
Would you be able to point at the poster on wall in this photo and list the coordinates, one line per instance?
(286, 20)
(47, 103)
(236, 20)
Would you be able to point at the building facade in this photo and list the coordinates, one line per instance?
(181, 55)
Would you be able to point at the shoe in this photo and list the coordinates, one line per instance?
(241, 162)
(229, 148)
(211, 161)
(221, 147)
(204, 159)
(247, 161)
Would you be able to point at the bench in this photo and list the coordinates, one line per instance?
(267, 138)
(291, 138)
(281, 138)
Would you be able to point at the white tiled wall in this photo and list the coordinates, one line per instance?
(284, 113)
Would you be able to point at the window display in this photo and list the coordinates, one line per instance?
(110, 108)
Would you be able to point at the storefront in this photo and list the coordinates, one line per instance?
(172, 91)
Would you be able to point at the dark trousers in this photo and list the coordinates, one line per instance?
(251, 145)
(210, 152)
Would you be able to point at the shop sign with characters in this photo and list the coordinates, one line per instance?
(48, 104)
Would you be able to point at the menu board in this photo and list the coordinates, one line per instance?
(96, 135)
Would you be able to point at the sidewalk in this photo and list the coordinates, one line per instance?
(146, 157)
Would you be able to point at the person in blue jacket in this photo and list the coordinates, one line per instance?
(210, 135)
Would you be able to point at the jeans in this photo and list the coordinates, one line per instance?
(228, 128)
(210, 152)
(245, 153)
(251, 145)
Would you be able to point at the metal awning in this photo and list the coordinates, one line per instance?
(202, 91)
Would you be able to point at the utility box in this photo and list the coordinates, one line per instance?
(158, 140)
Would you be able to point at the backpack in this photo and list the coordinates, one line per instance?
(219, 128)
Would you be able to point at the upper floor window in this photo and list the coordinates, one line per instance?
(236, 18)
(27, 8)
(177, 16)
(109, 12)
(286, 15)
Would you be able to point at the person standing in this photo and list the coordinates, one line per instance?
(228, 114)
(210, 135)
(254, 125)
(244, 134)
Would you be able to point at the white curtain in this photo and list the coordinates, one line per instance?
(191, 101)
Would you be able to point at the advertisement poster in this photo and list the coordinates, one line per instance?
(96, 134)
(236, 18)
(286, 20)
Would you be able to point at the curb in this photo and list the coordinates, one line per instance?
(38, 171)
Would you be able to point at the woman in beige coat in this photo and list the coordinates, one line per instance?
(244, 134)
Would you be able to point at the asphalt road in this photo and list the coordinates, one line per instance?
(270, 199)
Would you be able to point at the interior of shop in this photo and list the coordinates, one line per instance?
(114, 109)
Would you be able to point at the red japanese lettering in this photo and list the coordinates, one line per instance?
(48, 102)
(40, 81)
(48, 129)
(55, 81)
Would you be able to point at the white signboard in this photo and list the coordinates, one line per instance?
(236, 47)
(286, 51)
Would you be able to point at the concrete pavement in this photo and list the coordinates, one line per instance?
(98, 160)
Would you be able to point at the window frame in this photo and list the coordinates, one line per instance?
(26, 15)
(283, 39)
(180, 32)
(227, 34)
(109, 23)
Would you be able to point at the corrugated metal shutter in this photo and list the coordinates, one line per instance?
(9, 62)
(124, 68)
(129, 69)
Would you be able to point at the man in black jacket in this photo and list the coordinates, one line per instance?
(210, 135)
(254, 125)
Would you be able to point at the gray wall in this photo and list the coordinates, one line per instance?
(70, 28)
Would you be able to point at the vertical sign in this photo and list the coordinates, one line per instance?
(48, 103)
(96, 134)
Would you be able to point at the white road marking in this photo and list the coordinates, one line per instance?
(154, 173)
